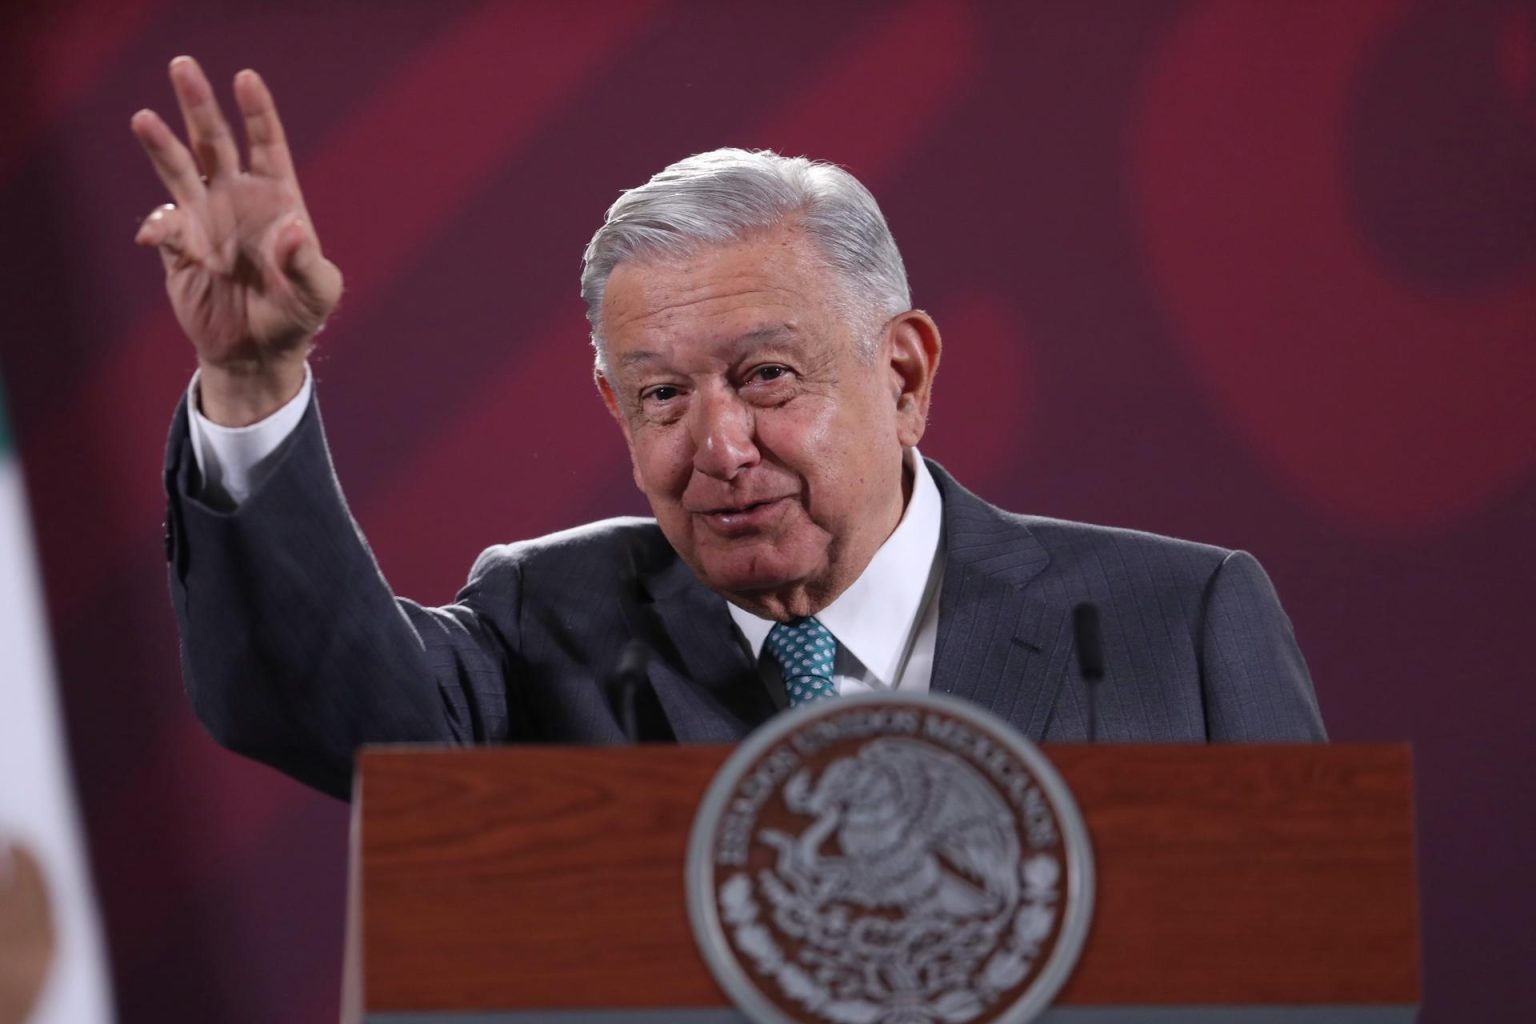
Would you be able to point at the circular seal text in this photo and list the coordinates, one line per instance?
(892, 859)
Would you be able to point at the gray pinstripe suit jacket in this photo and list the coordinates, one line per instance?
(295, 651)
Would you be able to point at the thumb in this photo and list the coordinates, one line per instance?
(317, 279)
(163, 229)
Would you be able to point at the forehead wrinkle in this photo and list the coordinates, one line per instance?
(714, 301)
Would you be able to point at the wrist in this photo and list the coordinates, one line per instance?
(240, 393)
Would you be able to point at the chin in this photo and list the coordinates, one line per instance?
(753, 572)
(744, 581)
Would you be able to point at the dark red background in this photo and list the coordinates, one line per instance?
(1259, 274)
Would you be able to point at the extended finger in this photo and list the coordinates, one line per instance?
(263, 129)
(213, 144)
(172, 161)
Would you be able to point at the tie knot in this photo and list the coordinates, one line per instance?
(805, 652)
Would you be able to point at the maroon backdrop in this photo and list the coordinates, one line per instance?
(1261, 274)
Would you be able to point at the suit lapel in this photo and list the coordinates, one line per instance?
(704, 680)
(1001, 644)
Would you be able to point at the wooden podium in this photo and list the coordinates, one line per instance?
(1235, 883)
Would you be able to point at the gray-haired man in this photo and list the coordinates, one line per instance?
(757, 346)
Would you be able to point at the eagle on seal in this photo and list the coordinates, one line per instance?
(914, 829)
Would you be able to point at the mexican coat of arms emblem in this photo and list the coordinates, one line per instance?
(889, 860)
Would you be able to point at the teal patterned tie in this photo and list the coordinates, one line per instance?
(804, 651)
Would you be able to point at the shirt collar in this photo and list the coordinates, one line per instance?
(873, 617)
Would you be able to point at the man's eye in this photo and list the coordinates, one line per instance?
(660, 393)
(766, 374)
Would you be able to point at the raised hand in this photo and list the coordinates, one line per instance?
(243, 266)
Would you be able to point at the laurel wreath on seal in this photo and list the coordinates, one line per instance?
(964, 994)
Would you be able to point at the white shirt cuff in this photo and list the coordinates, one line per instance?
(233, 461)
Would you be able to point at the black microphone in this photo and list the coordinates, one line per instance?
(628, 678)
(1090, 655)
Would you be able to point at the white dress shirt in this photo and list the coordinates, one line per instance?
(234, 460)
(886, 623)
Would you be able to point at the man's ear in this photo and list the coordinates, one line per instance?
(611, 400)
(915, 346)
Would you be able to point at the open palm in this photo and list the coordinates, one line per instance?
(244, 269)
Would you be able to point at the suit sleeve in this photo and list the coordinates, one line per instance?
(1255, 681)
(294, 650)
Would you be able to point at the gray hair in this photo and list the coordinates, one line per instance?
(729, 195)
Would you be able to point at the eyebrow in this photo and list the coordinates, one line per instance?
(761, 335)
(636, 358)
(776, 332)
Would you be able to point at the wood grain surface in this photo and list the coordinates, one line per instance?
(544, 878)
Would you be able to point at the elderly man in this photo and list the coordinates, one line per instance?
(757, 347)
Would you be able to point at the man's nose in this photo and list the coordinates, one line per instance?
(723, 435)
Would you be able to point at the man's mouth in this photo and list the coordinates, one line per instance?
(744, 517)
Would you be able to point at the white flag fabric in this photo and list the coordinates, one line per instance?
(37, 802)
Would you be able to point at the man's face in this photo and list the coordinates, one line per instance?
(769, 447)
